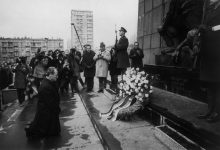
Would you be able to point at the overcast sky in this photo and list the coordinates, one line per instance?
(51, 18)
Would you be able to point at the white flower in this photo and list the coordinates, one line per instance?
(142, 90)
(121, 84)
(136, 90)
(140, 99)
(139, 84)
(142, 72)
(146, 95)
(124, 77)
(138, 76)
(146, 81)
(130, 99)
(151, 91)
(132, 86)
(151, 87)
(146, 86)
(140, 95)
(136, 81)
(137, 69)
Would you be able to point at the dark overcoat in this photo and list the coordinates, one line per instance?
(74, 60)
(113, 70)
(210, 47)
(88, 63)
(46, 120)
(136, 58)
(122, 54)
(3, 78)
(21, 72)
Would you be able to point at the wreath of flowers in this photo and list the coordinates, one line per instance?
(136, 84)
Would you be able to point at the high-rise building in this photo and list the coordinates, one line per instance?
(12, 48)
(83, 22)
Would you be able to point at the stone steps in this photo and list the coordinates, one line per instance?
(174, 140)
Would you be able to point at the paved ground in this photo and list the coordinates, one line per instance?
(77, 131)
(136, 134)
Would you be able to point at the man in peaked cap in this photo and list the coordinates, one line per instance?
(123, 29)
(121, 51)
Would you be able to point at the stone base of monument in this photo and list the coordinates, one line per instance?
(173, 139)
(110, 94)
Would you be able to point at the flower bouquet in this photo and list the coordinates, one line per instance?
(134, 93)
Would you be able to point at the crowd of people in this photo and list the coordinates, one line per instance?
(49, 75)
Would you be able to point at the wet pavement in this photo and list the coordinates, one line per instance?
(135, 134)
(77, 131)
(81, 127)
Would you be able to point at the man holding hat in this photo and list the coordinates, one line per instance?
(89, 67)
(121, 51)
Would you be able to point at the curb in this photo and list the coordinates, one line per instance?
(101, 137)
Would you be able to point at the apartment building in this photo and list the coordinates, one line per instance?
(12, 48)
(83, 22)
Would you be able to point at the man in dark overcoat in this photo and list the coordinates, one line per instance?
(210, 59)
(20, 82)
(113, 70)
(136, 55)
(46, 120)
(73, 60)
(121, 51)
(89, 67)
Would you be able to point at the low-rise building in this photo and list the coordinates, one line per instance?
(12, 48)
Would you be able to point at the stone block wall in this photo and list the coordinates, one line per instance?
(150, 16)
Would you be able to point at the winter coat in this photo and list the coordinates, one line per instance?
(113, 70)
(210, 48)
(46, 120)
(136, 58)
(39, 71)
(88, 63)
(102, 60)
(74, 65)
(122, 54)
(21, 72)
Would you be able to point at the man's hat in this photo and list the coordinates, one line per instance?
(123, 29)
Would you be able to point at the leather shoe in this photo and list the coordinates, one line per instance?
(213, 118)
